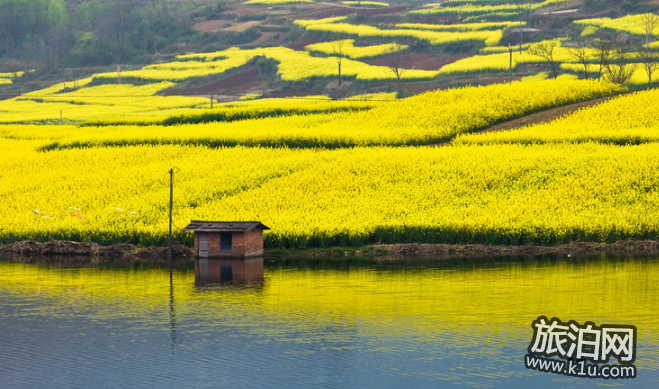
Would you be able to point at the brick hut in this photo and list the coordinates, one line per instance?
(227, 239)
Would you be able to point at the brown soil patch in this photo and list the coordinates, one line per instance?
(489, 80)
(243, 26)
(263, 38)
(420, 87)
(69, 248)
(324, 12)
(212, 25)
(383, 11)
(418, 61)
(224, 25)
(300, 43)
(242, 81)
(238, 9)
(292, 94)
(329, 10)
(277, 40)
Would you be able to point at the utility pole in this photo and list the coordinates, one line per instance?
(171, 201)
(211, 101)
(510, 68)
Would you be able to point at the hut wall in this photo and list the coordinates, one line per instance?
(196, 244)
(238, 249)
(245, 244)
(238, 244)
(254, 242)
(214, 244)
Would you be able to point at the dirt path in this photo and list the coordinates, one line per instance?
(538, 117)
(544, 116)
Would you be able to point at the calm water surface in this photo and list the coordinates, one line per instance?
(260, 324)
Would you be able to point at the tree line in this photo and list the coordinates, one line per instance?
(57, 33)
(616, 57)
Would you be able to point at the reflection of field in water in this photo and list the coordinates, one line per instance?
(313, 323)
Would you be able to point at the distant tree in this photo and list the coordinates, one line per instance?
(603, 51)
(122, 17)
(57, 33)
(620, 67)
(650, 63)
(58, 21)
(524, 9)
(89, 50)
(545, 50)
(581, 54)
(395, 53)
(19, 19)
(87, 15)
(337, 52)
(650, 59)
(650, 22)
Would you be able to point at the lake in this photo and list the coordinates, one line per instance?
(322, 323)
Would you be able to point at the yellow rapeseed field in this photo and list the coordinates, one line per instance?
(639, 76)
(95, 102)
(115, 188)
(460, 27)
(425, 119)
(626, 120)
(346, 48)
(292, 66)
(508, 194)
(500, 60)
(632, 24)
(6, 78)
(469, 9)
(489, 37)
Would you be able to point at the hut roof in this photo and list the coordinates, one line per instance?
(208, 226)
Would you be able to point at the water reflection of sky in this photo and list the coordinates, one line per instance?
(312, 324)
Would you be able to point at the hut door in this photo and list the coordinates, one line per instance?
(203, 244)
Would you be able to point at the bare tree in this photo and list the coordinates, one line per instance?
(58, 19)
(603, 50)
(337, 52)
(650, 59)
(524, 9)
(582, 55)
(650, 62)
(395, 53)
(650, 23)
(120, 17)
(545, 50)
(620, 68)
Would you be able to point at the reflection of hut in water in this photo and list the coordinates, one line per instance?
(235, 271)
(227, 239)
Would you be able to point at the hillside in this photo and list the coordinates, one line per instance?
(414, 47)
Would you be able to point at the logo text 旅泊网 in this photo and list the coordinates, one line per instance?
(583, 342)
